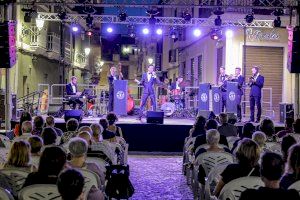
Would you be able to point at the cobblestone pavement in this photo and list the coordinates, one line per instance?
(158, 177)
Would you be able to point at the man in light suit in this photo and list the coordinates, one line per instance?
(148, 80)
(72, 92)
(240, 79)
(222, 82)
(111, 78)
(256, 82)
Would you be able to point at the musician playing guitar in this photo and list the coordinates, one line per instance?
(222, 82)
(73, 94)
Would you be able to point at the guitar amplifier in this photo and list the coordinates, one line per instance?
(286, 111)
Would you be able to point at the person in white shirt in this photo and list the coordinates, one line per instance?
(72, 91)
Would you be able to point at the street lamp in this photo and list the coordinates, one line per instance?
(150, 60)
(87, 51)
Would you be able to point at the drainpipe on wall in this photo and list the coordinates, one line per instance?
(297, 80)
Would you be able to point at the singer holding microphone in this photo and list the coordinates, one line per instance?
(148, 80)
(111, 78)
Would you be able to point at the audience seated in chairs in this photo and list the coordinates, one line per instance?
(70, 185)
(52, 162)
(97, 131)
(226, 128)
(26, 131)
(267, 126)
(201, 139)
(19, 157)
(247, 156)
(296, 127)
(112, 118)
(292, 173)
(272, 168)
(286, 143)
(36, 144)
(49, 136)
(85, 128)
(106, 134)
(247, 132)
(50, 122)
(198, 127)
(25, 116)
(260, 138)
(287, 129)
(38, 124)
(78, 148)
(72, 130)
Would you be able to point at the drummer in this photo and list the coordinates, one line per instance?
(177, 89)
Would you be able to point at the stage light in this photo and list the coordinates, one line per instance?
(75, 28)
(159, 31)
(218, 21)
(186, 16)
(150, 60)
(62, 15)
(146, 31)
(197, 32)
(229, 34)
(89, 21)
(249, 18)
(277, 22)
(216, 34)
(122, 16)
(39, 23)
(173, 33)
(109, 30)
(29, 13)
(87, 51)
(89, 33)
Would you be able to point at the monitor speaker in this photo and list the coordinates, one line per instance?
(155, 117)
(55, 110)
(207, 114)
(76, 114)
(232, 118)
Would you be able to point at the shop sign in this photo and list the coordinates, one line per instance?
(262, 34)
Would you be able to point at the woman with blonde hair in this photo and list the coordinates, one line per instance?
(19, 156)
(260, 138)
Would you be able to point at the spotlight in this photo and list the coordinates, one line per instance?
(216, 34)
(146, 31)
(277, 22)
(131, 31)
(89, 21)
(122, 16)
(186, 16)
(197, 32)
(29, 13)
(109, 30)
(75, 28)
(278, 12)
(218, 21)
(229, 34)
(159, 31)
(27, 17)
(89, 33)
(62, 15)
(249, 18)
(173, 33)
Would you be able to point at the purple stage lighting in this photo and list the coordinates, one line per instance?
(159, 31)
(75, 28)
(109, 30)
(197, 32)
(146, 31)
(229, 33)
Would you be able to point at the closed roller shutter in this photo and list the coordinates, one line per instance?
(270, 60)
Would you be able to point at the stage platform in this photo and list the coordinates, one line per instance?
(143, 137)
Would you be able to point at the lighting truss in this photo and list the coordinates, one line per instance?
(163, 21)
(263, 4)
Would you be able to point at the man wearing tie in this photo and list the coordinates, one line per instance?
(111, 78)
(222, 82)
(72, 91)
(256, 82)
(148, 80)
(239, 78)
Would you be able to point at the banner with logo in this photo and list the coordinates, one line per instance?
(216, 99)
(204, 96)
(232, 91)
(120, 97)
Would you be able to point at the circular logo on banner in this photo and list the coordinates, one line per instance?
(216, 97)
(120, 95)
(204, 97)
(231, 96)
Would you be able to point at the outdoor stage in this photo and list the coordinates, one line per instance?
(143, 137)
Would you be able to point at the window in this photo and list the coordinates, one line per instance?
(200, 69)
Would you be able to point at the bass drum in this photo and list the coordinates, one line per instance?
(168, 108)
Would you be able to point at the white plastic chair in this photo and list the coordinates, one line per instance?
(205, 146)
(231, 140)
(233, 189)
(16, 178)
(90, 179)
(40, 191)
(295, 186)
(3, 155)
(6, 141)
(100, 162)
(58, 139)
(5, 194)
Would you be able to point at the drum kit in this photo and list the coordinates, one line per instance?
(173, 105)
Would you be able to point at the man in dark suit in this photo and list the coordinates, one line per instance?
(222, 82)
(256, 82)
(148, 80)
(226, 128)
(240, 79)
(72, 92)
(111, 78)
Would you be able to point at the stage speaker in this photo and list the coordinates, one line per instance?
(8, 49)
(76, 114)
(55, 110)
(294, 50)
(155, 117)
(232, 118)
(286, 111)
(207, 114)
